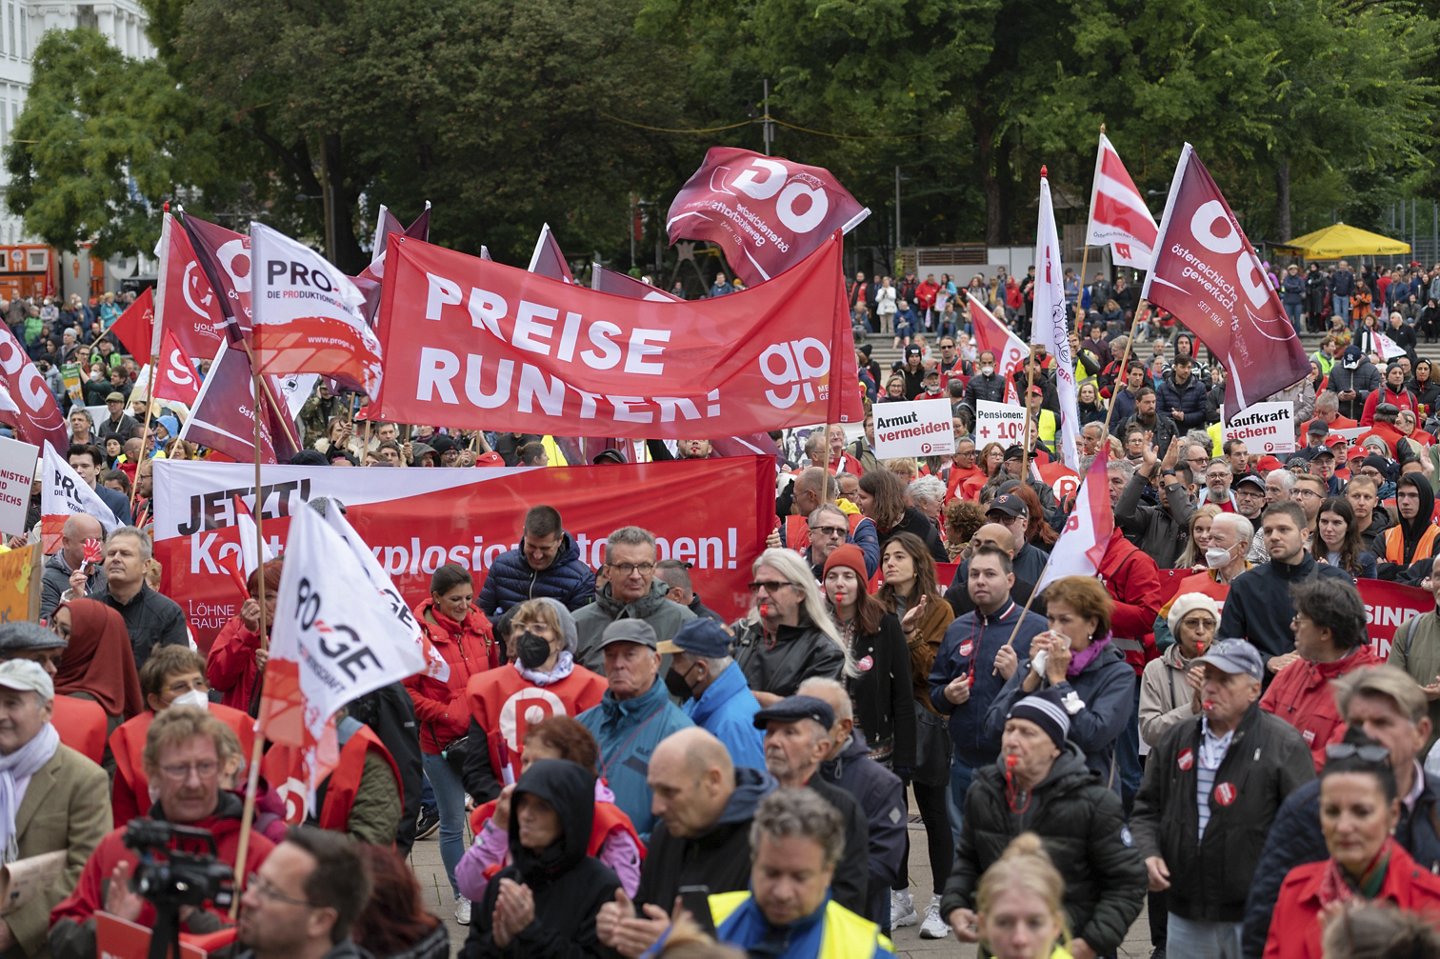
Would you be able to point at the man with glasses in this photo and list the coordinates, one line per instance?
(547, 563)
(1217, 487)
(185, 751)
(304, 899)
(962, 466)
(627, 589)
(815, 488)
(1309, 491)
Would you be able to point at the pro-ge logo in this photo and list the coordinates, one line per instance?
(795, 365)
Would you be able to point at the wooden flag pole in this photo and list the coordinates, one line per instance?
(144, 430)
(1121, 374)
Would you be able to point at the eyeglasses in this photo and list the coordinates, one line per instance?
(1368, 752)
(1297, 491)
(265, 889)
(828, 530)
(769, 585)
(179, 772)
(627, 569)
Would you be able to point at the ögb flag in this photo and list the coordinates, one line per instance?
(136, 325)
(185, 303)
(413, 521)
(992, 335)
(36, 414)
(1082, 543)
(1119, 217)
(175, 379)
(547, 260)
(468, 342)
(307, 314)
(386, 224)
(224, 414)
(1051, 319)
(223, 258)
(1206, 273)
(766, 213)
(64, 494)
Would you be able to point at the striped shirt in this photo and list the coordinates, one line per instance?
(1212, 753)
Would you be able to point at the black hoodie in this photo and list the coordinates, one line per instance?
(569, 887)
(1413, 530)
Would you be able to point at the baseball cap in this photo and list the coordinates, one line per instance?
(629, 631)
(792, 709)
(1318, 428)
(115, 397)
(1357, 453)
(1323, 452)
(1250, 479)
(1015, 452)
(1267, 463)
(1036, 391)
(27, 677)
(1009, 504)
(1235, 656)
(23, 636)
(701, 637)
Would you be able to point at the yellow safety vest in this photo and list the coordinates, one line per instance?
(846, 935)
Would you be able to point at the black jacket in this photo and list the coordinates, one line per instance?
(916, 522)
(798, 653)
(1266, 761)
(1411, 530)
(1082, 825)
(151, 619)
(881, 796)
(1259, 607)
(1159, 531)
(883, 693)
(718, 858)
(569, 887)
(390, 713)
(1187, 397)
(56, 579)
(851, 886)
(1295, 839)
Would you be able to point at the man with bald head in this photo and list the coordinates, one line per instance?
(61, 569)
(997, 536)
(703, 805)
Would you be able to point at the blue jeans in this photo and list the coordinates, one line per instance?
(1202, 940)
(1127, 755)
(450, 798)
(1341, 307)
(1293, 310)
(961, 775)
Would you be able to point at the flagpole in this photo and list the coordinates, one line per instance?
(144, 430)
(1124, 362)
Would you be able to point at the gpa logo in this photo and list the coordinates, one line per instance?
(796, 368)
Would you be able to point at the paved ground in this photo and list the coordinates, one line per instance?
(425, 860)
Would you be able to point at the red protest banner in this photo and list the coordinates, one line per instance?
(767, 213)
(469, 342)
(1387, 605)
(716, 515)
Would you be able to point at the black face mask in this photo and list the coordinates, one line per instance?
(533, 650)
(678, 686)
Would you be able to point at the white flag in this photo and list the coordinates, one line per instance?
(64, 494)
(1051, 328)
(1385, 346)
(1082, 543)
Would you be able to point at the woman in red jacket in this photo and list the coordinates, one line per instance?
(1359, 807)
(462, 635)
(237, 660)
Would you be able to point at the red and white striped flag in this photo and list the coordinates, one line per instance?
(1087, 532)
(1119, 217)
(993, 336)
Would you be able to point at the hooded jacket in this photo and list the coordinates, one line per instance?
(1259, 607)
(726, 709)
(718, 858)
(1188, 398)
(1408, 540)
(1354, 371)
(511, 581)
(1082, 826)
(881, 797)
(665, 615)
(797, 653)
(568, 886)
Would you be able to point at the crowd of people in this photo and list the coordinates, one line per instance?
(1204, 731)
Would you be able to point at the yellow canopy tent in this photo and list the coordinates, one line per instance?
(1340, 240)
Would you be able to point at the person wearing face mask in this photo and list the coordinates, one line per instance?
(711, 689)
(542, 669)
(986, 384)
(1225, 558)
(172, 676)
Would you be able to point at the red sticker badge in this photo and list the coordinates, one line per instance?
(967, 647)
(1186, 760)
(865, 664)
(1225, 794)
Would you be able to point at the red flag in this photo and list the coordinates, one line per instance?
(175, 378)
(766, 213)
(185, 303)
(224, 259)
(1207, 274)
(1087, 531)
(136, 325)
(386, 224)
(470, 342)
(37, 417)
(547, 260)
(992, 335)
(223, 417)
(623, 284)
(1119, 217)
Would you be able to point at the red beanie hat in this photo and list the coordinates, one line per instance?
(849, 557)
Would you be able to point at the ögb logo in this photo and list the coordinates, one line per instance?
(795, 365)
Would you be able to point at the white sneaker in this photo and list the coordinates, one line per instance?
(902, 909)
(933, 927)
(462, 910)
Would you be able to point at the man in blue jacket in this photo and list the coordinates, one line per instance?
(545, 564)
(976, 658)
(712, 689)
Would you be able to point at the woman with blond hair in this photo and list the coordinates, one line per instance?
(1020, 915)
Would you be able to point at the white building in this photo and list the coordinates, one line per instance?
(22, 23)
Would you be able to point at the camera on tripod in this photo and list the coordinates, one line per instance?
(169, 876)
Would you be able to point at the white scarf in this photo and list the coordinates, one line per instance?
(15, 772)
(564, 663)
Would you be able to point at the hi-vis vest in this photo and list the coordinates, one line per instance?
(845, 936)
(1394, 539)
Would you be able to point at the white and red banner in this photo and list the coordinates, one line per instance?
(471, 343)
(1119, 217)
(1385, 346)
(308, 314)
(223, 258)
(64, 494)
(177, 379)
(1087, 531)
(1051, 324)
(547, 260)
(185, 303)
(36, 415)
(916, 428)
(623, 284)
(1206, 273)
(990, 334)
(766, 213)
(1268, 427)
(223, 417)
(717, 515)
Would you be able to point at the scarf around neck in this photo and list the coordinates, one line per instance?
(564, 663)
(16, 770)
(1085, 657)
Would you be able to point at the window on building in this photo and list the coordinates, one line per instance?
(86, 18)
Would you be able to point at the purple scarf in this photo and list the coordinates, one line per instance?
(1085, 657)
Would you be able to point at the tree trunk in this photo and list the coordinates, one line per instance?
(343, 200)
(1282, 199)
(994, 202)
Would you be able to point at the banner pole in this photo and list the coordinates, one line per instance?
(144, 430)
(1025, 405)
(1124, 361)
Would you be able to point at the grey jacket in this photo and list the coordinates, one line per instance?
(664, 615)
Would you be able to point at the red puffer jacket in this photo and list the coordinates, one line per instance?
(469, 648)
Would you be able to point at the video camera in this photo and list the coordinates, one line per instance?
(169, 876)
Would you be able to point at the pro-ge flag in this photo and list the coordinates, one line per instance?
(1087, 531)
(1206, 273)
(1119, 217)
(308, 314)
(64, 494)
(1051, 323)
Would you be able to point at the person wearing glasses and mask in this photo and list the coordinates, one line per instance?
(185, 751)
(627, 589)
(788, 635)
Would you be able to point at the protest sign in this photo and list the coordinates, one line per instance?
(1001, 423)
(1387, 605)
(20, 573)
(1264, 427)
(717, 514)
(17, 470)
(916, 428)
